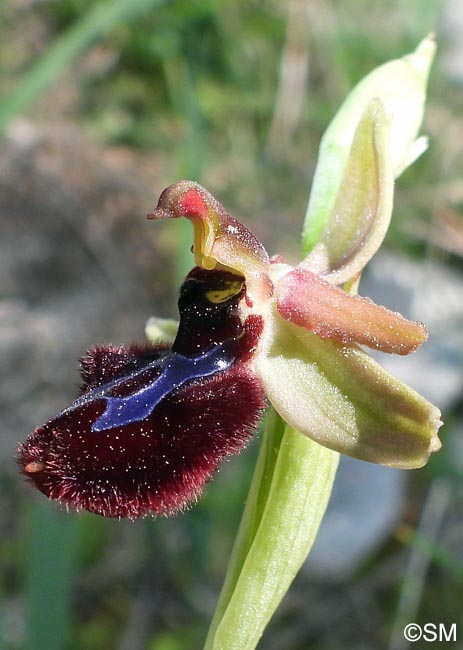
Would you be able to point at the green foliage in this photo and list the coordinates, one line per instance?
(92, 25)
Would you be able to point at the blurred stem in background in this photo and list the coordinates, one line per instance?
(93, 25)
(51, 547)
(423, 551)
(2, 631)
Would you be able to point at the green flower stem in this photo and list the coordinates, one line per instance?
(286, 502)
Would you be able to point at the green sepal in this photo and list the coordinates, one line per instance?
(161, 330)
(361, 213)
(401, 87)
(340, 397)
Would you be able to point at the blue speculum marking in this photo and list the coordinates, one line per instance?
(177, 370)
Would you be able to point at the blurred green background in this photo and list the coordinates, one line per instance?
(103, 105)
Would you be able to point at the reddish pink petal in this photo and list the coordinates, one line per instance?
(313, 303)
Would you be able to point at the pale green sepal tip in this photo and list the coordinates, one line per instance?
(161, 330)
(401, 86)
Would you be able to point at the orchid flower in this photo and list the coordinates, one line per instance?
(153, 422)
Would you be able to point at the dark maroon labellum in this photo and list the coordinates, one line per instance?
(152, 423)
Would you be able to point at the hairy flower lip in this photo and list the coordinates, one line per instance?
(156, 453)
